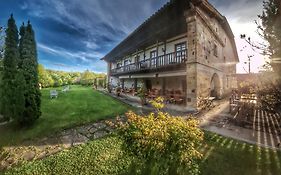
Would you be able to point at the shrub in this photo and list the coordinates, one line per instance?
(166, 144)
(98, 157)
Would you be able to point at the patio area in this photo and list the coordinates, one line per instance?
(171, 88)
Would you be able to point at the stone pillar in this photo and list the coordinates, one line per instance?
(108, 72)
(108, 77)
(191, 64)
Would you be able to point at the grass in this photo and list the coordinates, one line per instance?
(222, 156)
(78, 106)
(226, 156)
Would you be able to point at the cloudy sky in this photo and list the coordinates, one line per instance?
(73, 35)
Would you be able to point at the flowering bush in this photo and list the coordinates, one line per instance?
(166, 144)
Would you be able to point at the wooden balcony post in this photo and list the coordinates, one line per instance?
(165, 56)
(157, 47)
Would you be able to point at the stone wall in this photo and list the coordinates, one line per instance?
(210, 55)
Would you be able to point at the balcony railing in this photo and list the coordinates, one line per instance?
(173, 58)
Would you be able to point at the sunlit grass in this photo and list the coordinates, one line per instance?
(232, 158)
(79, 106)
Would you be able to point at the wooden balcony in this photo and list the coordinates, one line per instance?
(173, 59)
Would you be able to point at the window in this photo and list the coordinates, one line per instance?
(119, 65)
(215, 50)
(126, 67)
(153, 56)
(126, 62)
(180, 52)
(137, 58)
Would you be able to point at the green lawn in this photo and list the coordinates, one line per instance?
(222, 156)
(78, 106)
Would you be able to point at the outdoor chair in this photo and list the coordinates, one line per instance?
(54, 94)
(65, 89)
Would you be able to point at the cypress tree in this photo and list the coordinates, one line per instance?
(22, 32)
(29, 67)
(12, 99)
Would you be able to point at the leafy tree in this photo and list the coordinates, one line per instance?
(12, 92)
(29, 67)
(45, 78)
(87, 78)
(271, 28)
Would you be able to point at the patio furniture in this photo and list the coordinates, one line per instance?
(54, 94)
(65, 89)
(178, 97)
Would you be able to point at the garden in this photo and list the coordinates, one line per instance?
(80, 105)
(142, 145)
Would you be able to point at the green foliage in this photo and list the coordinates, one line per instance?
(87, 78)
(101, 82)
(80, 105)
(167, 144)
(53, 78)
(12, 81)
(45, 79)
(1, 42)
(29, 67)
(98, 157)
(271, 27)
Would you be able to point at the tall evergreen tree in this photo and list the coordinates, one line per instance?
(12, 99)
(22, 32)
(28, 56)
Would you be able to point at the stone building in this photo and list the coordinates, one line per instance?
(186, 47)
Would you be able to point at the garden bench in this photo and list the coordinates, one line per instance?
(54, 94)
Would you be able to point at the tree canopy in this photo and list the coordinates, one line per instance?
(28, 65)
(12, 99)
(53, 78)
(271, 27)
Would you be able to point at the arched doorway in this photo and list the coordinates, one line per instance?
(215, 86)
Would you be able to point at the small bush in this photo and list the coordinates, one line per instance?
(98, 157)
(166, 144)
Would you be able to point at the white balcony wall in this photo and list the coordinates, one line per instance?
(170, 48)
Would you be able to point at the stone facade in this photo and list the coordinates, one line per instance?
(211, 57)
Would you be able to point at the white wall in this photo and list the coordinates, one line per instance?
(170, 48)
(128, 83)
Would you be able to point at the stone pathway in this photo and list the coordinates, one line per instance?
(41, 148)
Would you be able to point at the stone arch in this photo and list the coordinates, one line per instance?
(215, 86)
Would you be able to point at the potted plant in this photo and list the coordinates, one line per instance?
(118, 89)
(109, 88)
(141, 94)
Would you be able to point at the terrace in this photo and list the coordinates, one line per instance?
(169, 60)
